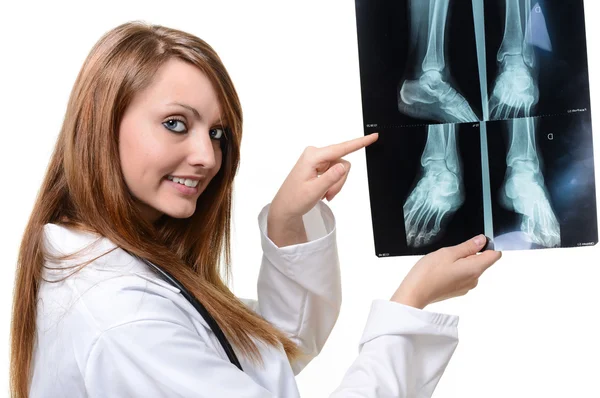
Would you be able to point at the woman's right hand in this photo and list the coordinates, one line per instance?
(446, 273)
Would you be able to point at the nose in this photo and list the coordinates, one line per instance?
(202, 150)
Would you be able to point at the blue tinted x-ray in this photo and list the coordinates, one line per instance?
(515, 90)
(477, 103)
(439, 192)
(429, 93)
(524, 191)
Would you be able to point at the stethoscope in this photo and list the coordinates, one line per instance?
(214, 326)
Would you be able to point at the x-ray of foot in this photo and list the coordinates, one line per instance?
(524, 191)
(439, 191)
(429, 94)
(515, 89)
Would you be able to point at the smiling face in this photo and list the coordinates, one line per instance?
(170, 141)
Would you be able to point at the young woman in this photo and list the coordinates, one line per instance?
(119, 288)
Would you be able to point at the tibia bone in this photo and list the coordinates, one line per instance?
(441, 148)
(522, 148)
(512, 42)
(452, 158)
(434, 58)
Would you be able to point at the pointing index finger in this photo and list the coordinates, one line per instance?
(337, 151)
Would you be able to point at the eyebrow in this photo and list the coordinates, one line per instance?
(193, 110)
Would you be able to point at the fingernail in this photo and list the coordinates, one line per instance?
(480, 240)
(341, 168)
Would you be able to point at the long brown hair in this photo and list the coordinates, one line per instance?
(84, 189)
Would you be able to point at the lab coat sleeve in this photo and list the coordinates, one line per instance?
(403, 353)
(157, 358)
(299, 286)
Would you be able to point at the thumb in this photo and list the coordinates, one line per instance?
(333, 174)
(468, 248)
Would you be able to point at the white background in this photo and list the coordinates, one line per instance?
(528, 330)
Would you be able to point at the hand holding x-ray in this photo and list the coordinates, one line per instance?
(446, 273)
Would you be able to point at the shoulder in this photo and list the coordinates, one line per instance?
(112, 307)
(102, 286)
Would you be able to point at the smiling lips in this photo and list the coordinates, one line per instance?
(188, 182)
(186, 186)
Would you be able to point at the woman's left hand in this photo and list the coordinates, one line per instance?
(320, 173)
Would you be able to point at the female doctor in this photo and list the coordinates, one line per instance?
(119, 290)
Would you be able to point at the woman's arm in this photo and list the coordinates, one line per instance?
(299, 284)
(299, 287)
(403, 352)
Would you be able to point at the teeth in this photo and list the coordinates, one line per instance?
(184, 181)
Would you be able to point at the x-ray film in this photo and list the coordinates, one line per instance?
(483, 113)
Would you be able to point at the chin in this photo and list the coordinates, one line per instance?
(182, 212)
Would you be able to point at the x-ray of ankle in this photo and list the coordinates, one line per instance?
(535, 57)
(429, 94)
(524, 191)
(543, 182)
(515, 90)
(425, 182)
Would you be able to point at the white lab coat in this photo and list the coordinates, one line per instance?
(115, 329)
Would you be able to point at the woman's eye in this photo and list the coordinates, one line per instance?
(172, 124)
(216, 133)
